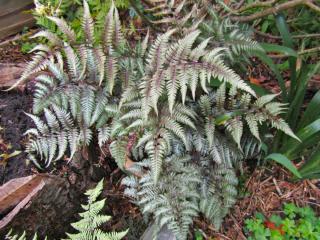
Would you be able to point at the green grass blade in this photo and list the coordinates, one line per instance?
(288, 42)
(308, 136)
(294, 111)
(312, 112)
(289, 52)
(284, 161)
(311, 169)
(268, 61)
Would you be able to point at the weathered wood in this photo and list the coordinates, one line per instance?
(47, 208)
(14, 16)
(16, 190)
(10, 74)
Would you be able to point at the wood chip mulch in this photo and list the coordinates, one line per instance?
(267, 190)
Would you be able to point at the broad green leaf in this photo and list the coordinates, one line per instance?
(312, 112)
(297, 100)
(221, 119)
(284, 161)
(260, 91)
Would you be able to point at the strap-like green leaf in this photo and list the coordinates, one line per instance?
(311, 169)
(284, 161)
(279, 49)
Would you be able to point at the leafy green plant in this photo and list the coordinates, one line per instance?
(72, 11)
(305, 125)
(296, 223)
(26, 47)
(91, 220)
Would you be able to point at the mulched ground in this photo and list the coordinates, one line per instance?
(267, 188)
(11, 53)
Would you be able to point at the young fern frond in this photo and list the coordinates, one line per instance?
(11, 236)
(91, 219)
(88, 226)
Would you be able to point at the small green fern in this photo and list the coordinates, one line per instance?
(91, 220)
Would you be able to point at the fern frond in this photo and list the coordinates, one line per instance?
(91, 219)
(64, 28)
(118, 150)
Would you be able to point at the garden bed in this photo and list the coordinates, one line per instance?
(265, 191)
(104, 140)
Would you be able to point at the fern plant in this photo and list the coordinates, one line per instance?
(73, 96)
(88, 226)
(161, 103)
(156, 106)
(174, 111)
(91, 220)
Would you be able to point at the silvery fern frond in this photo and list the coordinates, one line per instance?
(173, 200)
(50, 139)
(11, 236)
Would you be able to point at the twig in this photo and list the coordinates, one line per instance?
(310, 50)
(277, 186)
(15, 38)
(302, 52)
(276, 9)
(311, 5)
(257, 5)
(239, 4)
(268, 35)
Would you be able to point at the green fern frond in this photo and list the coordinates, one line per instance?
(91, 219)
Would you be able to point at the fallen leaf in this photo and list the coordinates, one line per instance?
(4, 157)
(255, 81)
(272, 226)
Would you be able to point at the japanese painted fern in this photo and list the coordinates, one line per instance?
(156, 106)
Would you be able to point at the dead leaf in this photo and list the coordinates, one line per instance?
(255, 81)
(4, 157)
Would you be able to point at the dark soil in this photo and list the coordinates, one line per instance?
(11, 53)
(14, 123)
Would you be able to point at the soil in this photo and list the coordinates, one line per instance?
(14, 123)
(11, 53)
